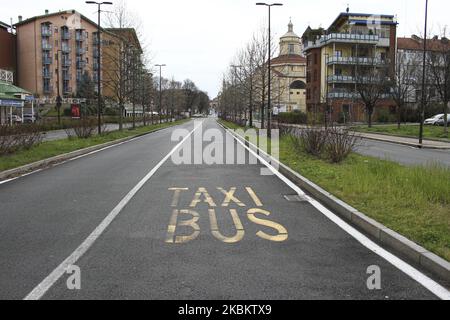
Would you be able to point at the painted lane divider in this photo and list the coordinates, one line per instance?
(39, 291)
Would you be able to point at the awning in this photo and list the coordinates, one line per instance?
(12, 96)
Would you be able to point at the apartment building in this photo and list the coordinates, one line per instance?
(54, 51)
(410, 62)
(338, 55)
(8, 63)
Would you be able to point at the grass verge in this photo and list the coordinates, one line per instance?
(54, 148)
(410, 131)
(413, 201)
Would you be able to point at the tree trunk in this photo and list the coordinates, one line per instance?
(399, 117)
(120, 117)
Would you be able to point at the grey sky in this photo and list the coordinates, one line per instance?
(198, 38)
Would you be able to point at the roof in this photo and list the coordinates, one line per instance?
(9, 89)
(416, 44)
(289, 58)
(55, 14)
(346, 15)
(4, 25)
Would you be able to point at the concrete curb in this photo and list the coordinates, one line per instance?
(12, 173)
(398, 244)
(414, 145)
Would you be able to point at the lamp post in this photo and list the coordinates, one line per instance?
(99, 86)
(269, 6)
(422, 110)
(58, 90)
(160, 66)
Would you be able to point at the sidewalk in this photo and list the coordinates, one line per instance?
(411, 142)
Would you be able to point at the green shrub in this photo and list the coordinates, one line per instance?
(296, 117)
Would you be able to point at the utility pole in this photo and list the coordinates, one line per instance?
(422, 110)
(269, 106)
(99, 84)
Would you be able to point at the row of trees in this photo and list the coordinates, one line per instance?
(245, 84)
(128, 78)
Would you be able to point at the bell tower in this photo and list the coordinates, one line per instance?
(290, 43)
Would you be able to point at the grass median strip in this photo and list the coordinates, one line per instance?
(410, 131)
(413, 201)
(50, 149)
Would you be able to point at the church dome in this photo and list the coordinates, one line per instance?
(290, 43)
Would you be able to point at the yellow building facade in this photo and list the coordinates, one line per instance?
(289, 69)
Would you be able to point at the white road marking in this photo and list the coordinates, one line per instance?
(415, 274)
(56, 274)
(76, 158)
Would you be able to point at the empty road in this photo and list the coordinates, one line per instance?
(140, 226)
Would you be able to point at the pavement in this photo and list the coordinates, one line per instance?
(227, 233)
(62, 134)
(405, 151)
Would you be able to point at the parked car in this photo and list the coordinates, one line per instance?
(15, 119)
(29, 118)
(440, 122)
(434, 120)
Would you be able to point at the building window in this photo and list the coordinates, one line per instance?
(338, 53)
(316, 59)
(291, 49)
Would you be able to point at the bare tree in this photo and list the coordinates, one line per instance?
(439, 67)
(403, 85)
(372, 83)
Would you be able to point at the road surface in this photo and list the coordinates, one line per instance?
(403, 154)
(240, 240)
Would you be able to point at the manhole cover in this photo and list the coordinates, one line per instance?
(296, 198)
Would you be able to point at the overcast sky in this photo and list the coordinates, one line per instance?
(198, 38)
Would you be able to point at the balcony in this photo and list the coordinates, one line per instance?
(66, 49)
(81, 64)
(341, 79)
(46, 32)
(47, 60)
(46, 46)
(65, 35)
(350, 38)
(355, 61)
(48, 89)
(80, 36)
(66, 62)
(67, 90)
(95, 65)
(80, 51)
(47, 74)
(352, 95)
(67, 76)
(96, 53)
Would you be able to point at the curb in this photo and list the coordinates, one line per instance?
(49, 162)
(415, 145)
(398, 244)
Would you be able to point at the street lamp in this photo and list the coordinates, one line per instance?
(422, 110)
(160, 89)
(269, 67)
(99, 105)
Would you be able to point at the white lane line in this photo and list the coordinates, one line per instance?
(413, 273)
(79, 157)
(56, 274)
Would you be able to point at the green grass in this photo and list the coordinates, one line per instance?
(430, 132)
(53, 148)
(413, 201)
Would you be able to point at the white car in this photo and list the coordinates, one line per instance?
(434, 120)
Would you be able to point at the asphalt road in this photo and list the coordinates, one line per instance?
(404, 154)
(162, 244)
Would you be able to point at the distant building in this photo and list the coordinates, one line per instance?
(410, 52)
(353, 40)
(8, 62)
(289, 84)
(64, 46)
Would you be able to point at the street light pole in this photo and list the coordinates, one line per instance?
(269, 107)
(422, 110)
(99, 86)
(160, 89)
